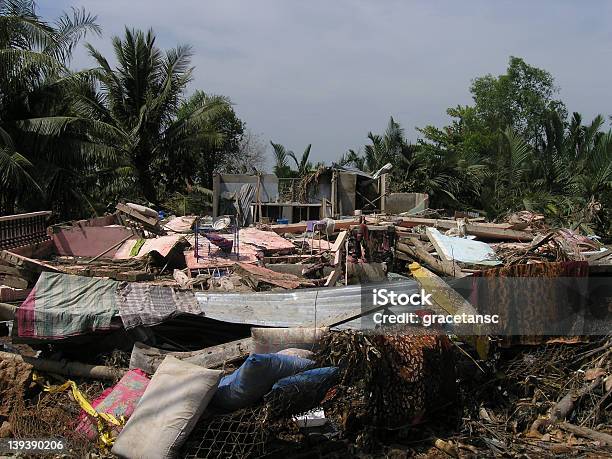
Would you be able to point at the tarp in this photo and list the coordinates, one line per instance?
(62, 305)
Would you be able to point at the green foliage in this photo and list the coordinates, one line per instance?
(76, 142)
(210, 145)
(513, 149)
(521, 98)
(196, 201)
(41, 168)
(281, 167)
(383, 149)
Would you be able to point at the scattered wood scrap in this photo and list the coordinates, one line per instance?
(253, 275)
(489, 231)
(149, 223)
(333, 277)
(417, 252)
(26, 263)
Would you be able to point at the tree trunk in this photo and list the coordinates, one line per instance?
(143, 174)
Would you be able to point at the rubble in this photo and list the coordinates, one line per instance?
(114, 301)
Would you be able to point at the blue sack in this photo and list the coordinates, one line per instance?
(255, 377)
(302, 392)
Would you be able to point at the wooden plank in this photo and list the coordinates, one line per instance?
(260, 274)
(136, 215)
(339, 242)
(150, 223)
(585, 432)
(333, 277)
(292, 258)
(452, 302)
(599, 256)
(45, 213)
(148, 358)
(62, 367)
(495, 231)
(26, 263)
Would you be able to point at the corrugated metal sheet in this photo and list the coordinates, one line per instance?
(293, 308)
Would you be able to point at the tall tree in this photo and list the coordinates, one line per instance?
(303, 165)
(36, 85)
(213, 143)
(134, 110)
(520, 99)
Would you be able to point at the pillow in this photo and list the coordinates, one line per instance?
(176, 397)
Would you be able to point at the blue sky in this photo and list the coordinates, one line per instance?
(327, 72)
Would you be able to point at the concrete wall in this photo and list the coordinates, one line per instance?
(230, 183)
(347, 184)
(396, 203)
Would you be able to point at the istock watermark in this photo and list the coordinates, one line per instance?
(428, 320)
(384, 297)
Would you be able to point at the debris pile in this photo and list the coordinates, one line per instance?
(142, 335)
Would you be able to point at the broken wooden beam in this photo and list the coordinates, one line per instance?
(585, 432)
(492, 231)
(333, 277)
(292, 259)
(26, 263)
(418, 253)
(255, 274)
(148, 358)
(453, 303)
(65, 368)
(339, 242)
(150, 223)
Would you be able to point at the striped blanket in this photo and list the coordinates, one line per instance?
(63, 305)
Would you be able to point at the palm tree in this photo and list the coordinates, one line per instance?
(131, 111)
(35, 85)
(383, 149)
(137, 100)
(572, 173)
(303, 165)
(281, 167)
